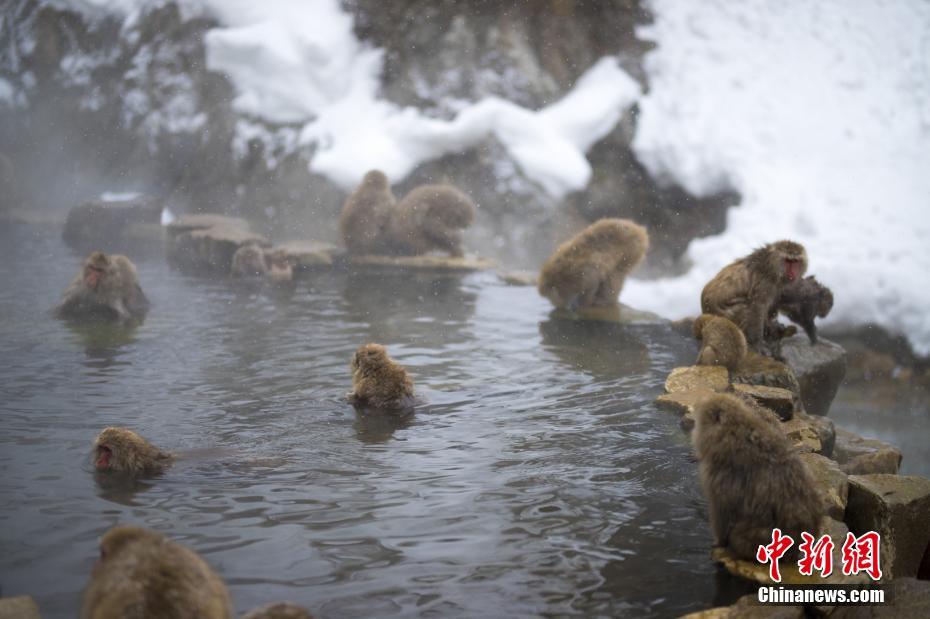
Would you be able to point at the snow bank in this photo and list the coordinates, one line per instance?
(301, 63)
(819, 114)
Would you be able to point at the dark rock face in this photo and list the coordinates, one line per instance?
(111, 226)
(819, 368)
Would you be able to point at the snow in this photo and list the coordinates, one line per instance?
(818, 113)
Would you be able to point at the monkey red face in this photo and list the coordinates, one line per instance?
(104, 453)
(793, 268)
(92, 276)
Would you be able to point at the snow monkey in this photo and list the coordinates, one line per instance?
(753, 479)
(141, 573)
(280, 610)
(802, 301)
(106, 287)
(121, 450)
(249, 261)
(430, 217)
(745, 291)
(722, 342)
(378, 381)
(280, 270)
(590, 268)
(365, 215)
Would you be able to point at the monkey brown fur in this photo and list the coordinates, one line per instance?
(279, 610)
(249, 261)
(378, 381)
(746, 290)
(722, 342)
(753, 479)
(365, 214)
(106, 287)
(590, 269)
(430, 217)
(142, 574)
(280, 270)
(804, 300)
(121, 450)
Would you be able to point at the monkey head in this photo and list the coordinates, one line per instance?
(117, 538)
(96, 269)
(122, 450)
(277, 259)
(375, 179)
(369, 357)
(789, 260)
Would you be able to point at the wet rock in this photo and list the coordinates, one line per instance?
(898, 508)
(208, 242)
(803, 435)
(831, 482)
(307, 255)
(780, 401)
(428, 263)
(19, 607)
(819, 370)
(826, 432)
(619, 313)
(519, 278)
(683, 403)
(757, 369)
(113, 225)
(864, 456)
(911, 599)
(748, 607)
(708, 377)
(754, 571)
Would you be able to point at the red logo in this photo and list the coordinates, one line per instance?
(773, 552)
(861, 554)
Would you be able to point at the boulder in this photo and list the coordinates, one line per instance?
(307, 255)
(898, 508)
(19, 607)
(619, 313)
(865, 456)
(803, 435)
(780, 401)
(819, 369)
(911, 599)
(683, 403)
(826, 432)
(105, 224)
(758, 369)
(831, 482)
(706, 377)
(208, 242)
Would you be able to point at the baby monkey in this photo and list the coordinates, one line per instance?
(379, 382)
(722, 342)
(121, 450)
(804, 300)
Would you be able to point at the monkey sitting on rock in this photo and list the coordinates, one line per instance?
(365, 214)
(121, 450)
(379, 382)
(141, 573)
(753, 479)
(804, 300)
(590, 269)
(107, 288)
(746, 290)
(722, 342)
(430, 217)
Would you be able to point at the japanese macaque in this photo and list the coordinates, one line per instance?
(121, 450)
(141, 574)
(430, 217)
(379, 382)
(279, 610)
(249, 261)
(746, 290)
(107, 287)
(804, 300)
(590, 269)
(280, 270)
(753, 479)
(364, 218)
(722, 342)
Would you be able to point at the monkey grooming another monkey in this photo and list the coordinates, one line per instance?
(590, 269)
(746, 290)
(804, 300)
(722, 342)
(378, 381)
(364, 218)
(121, 450)
(141, 574)
(249, 261)
(107, 287)
(279, 610)
(753, 479)
(430, 217)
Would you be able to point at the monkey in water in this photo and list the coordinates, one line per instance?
(249, 261)
(746, 290)
(722, 342)
(590, 269)
(107, 287)
(804, 300)
(379, 382)
(364, 218)
(143, 574)
(430, 217)
(121, 450)
(279, 610)
(753, 480)
(280, 270)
